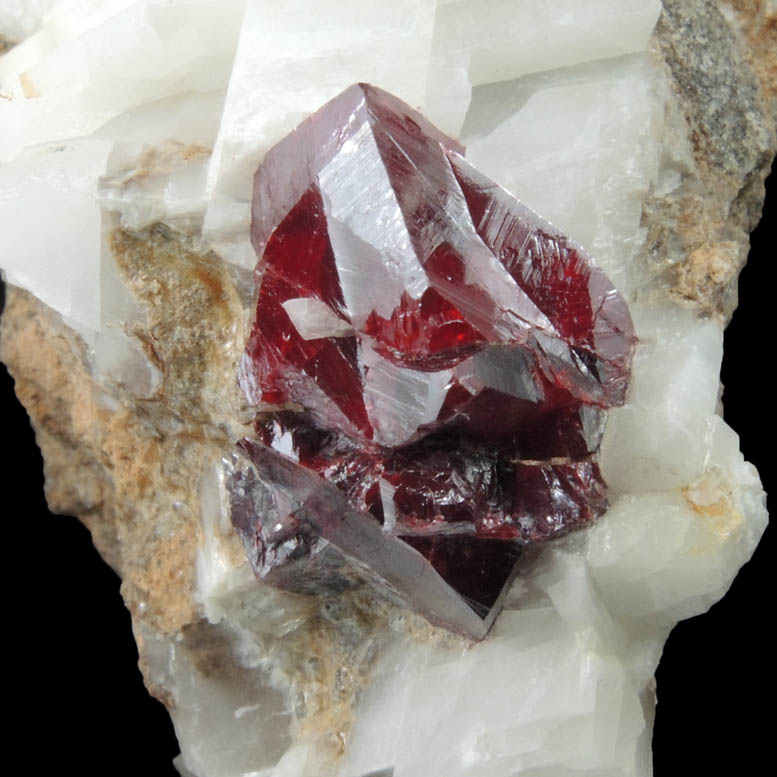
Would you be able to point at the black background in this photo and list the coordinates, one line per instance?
(78, 703)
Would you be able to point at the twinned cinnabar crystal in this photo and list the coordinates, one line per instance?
(432, 363)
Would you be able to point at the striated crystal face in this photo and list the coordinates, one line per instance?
(432, 361)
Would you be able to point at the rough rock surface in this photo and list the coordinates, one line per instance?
(106, 458)
(133, 422)
(718, 63)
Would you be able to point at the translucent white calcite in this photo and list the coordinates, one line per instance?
(137, 111)
(588, 151)
(476, 44)
(51, 225)
(661, 438)
(548, 686)
(21, 18)
(682, 554)
(117, 72)
(118, 56)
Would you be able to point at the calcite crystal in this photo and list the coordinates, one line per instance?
(452, 353)
(131, 132)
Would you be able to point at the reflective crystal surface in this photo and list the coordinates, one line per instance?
(432, 362)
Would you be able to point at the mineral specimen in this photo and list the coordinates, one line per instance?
(130, 134)
(454, 355)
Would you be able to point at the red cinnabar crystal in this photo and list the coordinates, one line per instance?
(432, 363)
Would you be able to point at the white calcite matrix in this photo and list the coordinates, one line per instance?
(129, 134)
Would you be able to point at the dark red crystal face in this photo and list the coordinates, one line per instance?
(425, 347)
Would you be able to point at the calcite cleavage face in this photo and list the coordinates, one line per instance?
(432, 362)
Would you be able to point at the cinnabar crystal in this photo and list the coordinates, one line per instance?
(434, 356)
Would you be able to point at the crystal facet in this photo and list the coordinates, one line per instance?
(429, 356)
